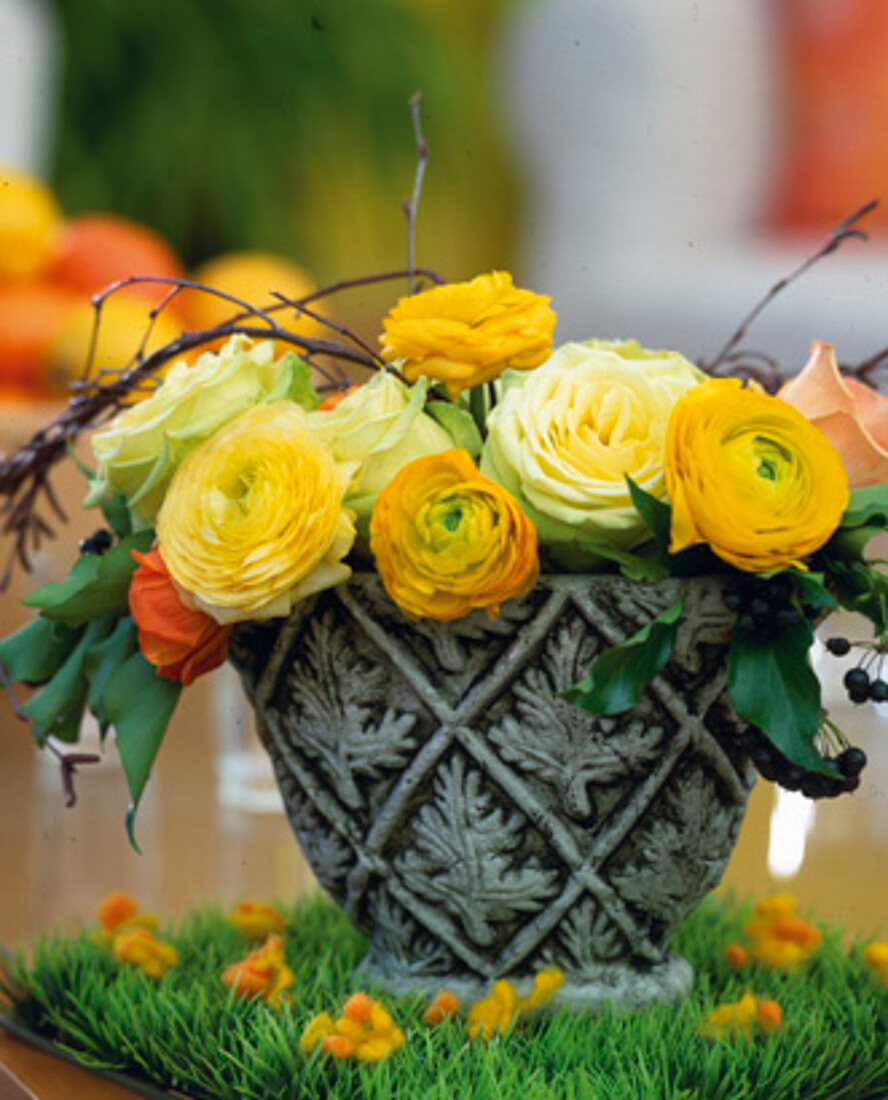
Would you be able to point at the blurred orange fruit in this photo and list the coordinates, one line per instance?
(31, 316)
(29, 218)
(251, 277)
(96, 250)
(123, 324)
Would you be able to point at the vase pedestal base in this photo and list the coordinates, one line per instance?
(620, 985)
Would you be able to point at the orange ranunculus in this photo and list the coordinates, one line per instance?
(118, 913)
(140, 947)
(447, 540)
(263, 973)
(182, 643)
(336, 398)
(464, 334)
(364, 1031)
(445, 1005)
(255, 920)
(852, 416)
(778, 938)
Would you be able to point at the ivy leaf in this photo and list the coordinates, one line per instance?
(460, 423)
(97, 585)
(772, 686)
(57, 709)
(620, 675)
(139, 704)
(35, 653)
(103, 660)
(657, 514)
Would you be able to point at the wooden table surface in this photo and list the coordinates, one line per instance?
(56, 864)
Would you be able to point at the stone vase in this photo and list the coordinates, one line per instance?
(474, 824)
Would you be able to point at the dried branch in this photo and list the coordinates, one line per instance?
(24, 476)
(69, 762)
(410, 208)
(846, 230)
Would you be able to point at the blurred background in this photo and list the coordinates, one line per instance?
(654, 165)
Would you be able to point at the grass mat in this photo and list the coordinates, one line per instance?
(188, 1033)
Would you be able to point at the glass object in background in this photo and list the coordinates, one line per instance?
(244, 776)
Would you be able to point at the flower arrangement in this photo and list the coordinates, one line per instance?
(474, 456)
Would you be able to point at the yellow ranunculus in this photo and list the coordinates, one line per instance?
(447, 540)
(467, 333)
(564, 437)
(138, 453)
(751, 477)
(253, 520)
(380, 427)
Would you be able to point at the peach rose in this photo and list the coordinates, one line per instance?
(852, 416)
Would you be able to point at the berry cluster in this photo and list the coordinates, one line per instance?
(862, 687)
(773, 765)
(764, 606)
(98, 543)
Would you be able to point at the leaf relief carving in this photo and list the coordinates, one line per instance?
(464, 856)
(338, 704)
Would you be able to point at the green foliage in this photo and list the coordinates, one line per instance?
(657, 514)
(619, 676)
(97, 584)
(139, 704)
(228, 125)
(117, 514)
(33, 654)
(771, 684)
(187, 1032)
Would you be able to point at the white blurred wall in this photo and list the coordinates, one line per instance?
(28, 62)
(645, 131)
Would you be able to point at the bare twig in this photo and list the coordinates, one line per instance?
(410, 208)
(24, 476)
(846, 230)
(68, 761)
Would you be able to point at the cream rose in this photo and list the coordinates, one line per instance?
(140, 451)
(564, 437)
(380, 427)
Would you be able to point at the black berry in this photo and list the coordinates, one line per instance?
(879, 691)
(98, 543)
(851, 762)
(855, 679)
(839, 647)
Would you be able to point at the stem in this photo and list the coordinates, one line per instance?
(478, 408)
(410, 208)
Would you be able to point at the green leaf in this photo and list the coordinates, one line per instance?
(620, 675)
(459, 423)
(657, 514)
(867, 506)
(97, 585)
(117, 515)
(103, 660)
(57, 709)
(139, 704)
(812, 589)
(772, 686)
(35, 653)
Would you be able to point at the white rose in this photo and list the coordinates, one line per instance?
(564, 436)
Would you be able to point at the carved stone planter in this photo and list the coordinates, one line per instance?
(474, 824)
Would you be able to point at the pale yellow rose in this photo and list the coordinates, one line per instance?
(380, 427)
(253, 520)
(565, 436)
(138, 453)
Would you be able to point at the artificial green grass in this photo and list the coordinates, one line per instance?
(189, 1033)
